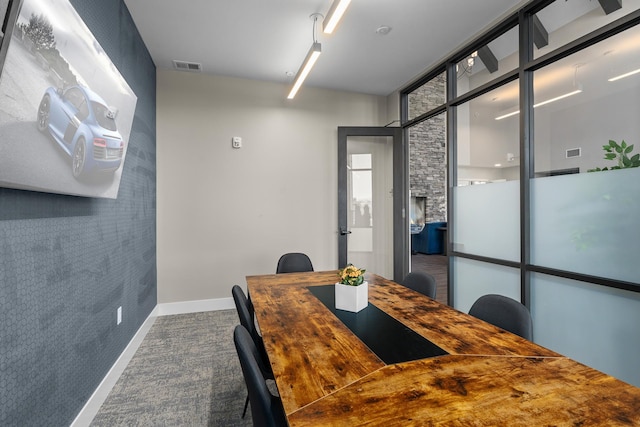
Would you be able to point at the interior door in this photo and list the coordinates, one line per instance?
(373, 225)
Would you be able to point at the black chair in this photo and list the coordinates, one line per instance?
(505, 313)
(266, 409)
(421, 282)
(245, 313)
(294, 262)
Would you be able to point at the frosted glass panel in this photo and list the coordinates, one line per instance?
(487, 220)
(474, 279)
(595, 325)
(588, 223)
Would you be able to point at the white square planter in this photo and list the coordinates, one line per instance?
(352, 298)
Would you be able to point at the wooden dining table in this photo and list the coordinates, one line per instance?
(407, 359)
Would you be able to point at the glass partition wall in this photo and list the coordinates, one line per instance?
(543, 141)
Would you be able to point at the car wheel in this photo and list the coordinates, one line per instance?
(77, 161)
(43, 114)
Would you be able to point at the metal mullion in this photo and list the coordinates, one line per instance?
(452, 173)
(586, 278)
(487, 87)
(488, 260)
(526, 152)
(426, 116)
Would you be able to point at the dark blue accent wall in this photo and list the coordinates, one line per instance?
(67, 263)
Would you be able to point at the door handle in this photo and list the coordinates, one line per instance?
(344, 231)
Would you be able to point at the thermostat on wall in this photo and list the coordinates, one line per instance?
(236, 142)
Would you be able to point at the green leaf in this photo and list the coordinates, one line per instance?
(635, 158)
(623, 144)
(626, 162)
(629, 149)
(613, 144)
(610, 156)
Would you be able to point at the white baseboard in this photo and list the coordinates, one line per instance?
(98, 397)
(183, 307)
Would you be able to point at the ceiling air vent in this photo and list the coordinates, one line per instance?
(574, 152)
(187, 66)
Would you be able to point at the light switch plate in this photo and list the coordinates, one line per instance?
(236, 142)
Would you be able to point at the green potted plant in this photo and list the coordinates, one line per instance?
(620, 153)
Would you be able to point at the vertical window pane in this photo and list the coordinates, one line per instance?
(488, 138)
(428, 96)
(587, 222)
(489, 62)
(487, 217)
(370, 177)
(427, 166)
(580, 103)
(594, 325)
(475, 278)
(564, 21)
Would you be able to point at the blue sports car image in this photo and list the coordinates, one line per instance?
(81, 123)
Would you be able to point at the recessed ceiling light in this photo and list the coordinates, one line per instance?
(289, 73)
(383, 30)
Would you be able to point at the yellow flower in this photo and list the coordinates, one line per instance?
(351, 275)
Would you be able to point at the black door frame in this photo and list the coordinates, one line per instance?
(400, 195)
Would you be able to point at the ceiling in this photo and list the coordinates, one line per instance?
(263, 40)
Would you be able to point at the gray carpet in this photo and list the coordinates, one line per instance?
(185, 373)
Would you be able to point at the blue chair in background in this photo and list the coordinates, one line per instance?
(430, 240)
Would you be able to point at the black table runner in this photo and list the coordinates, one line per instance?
(389, 339)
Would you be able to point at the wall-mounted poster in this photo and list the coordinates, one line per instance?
(65, 111)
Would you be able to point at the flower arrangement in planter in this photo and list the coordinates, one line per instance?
(351, 275)
(352, 291)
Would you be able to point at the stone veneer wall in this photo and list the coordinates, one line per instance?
(427, 150)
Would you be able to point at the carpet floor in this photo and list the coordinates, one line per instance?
(185, 373)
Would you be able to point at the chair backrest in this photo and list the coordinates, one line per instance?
(294, 262)
(243, 307)
(266, 409)
(421, 282)
(505, 313)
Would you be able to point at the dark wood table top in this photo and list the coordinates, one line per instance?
(327, 376)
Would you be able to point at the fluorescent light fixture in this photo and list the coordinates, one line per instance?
(558, 98)
(305, 68)
(337, 9)
(622, 76)
(504, 116)
(548, 101)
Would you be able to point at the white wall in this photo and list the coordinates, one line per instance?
(226, 213)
